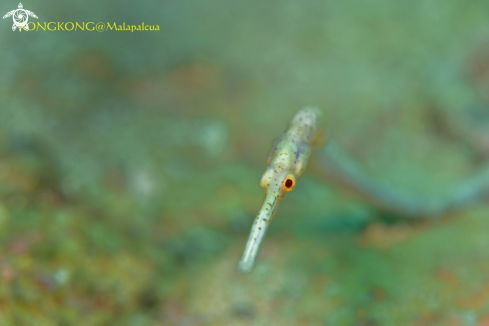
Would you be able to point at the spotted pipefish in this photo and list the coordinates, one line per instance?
(285, 164)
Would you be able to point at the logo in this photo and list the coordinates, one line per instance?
(20, 17)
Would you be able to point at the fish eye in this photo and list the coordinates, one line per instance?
(289, 183)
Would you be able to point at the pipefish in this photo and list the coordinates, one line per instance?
(286, 162)
(289, 156)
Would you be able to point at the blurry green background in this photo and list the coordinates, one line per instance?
(129, 163)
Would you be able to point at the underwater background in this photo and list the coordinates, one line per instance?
(129, 163)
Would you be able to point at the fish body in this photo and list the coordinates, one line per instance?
(285, 164)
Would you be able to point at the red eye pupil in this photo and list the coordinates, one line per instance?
(289, 183)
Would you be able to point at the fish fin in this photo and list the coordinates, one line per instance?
(319, 139)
